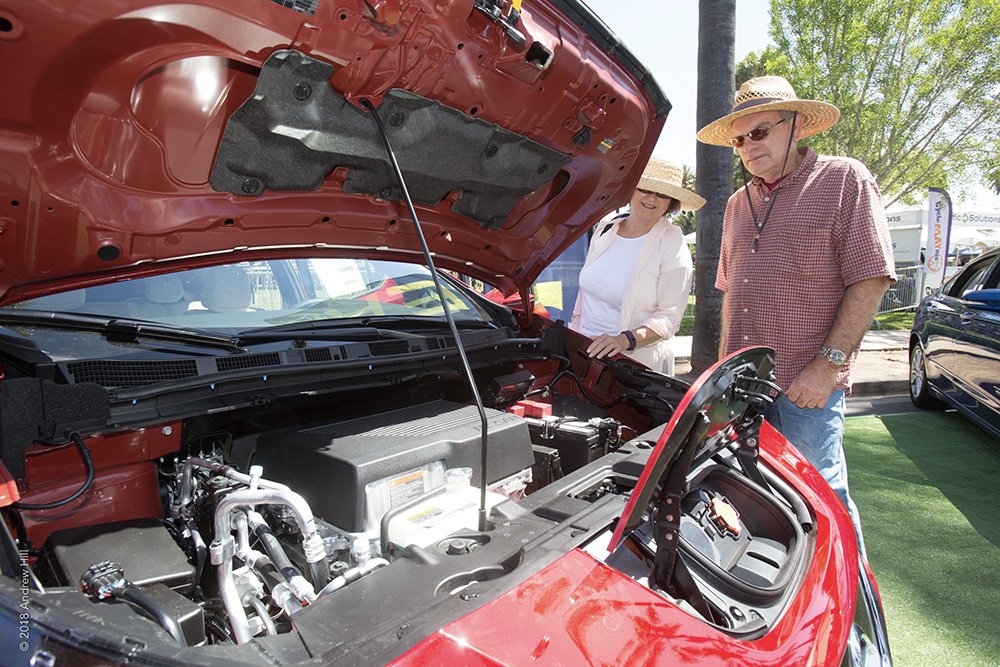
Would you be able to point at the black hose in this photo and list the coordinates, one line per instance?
(319, 572)
(87, 462)
(200, 551)
(586, 394)
(106, 579)
(268, 573)
(219, 630)
(23, 542)
(135, 595)
(273, 548)
(802, 514)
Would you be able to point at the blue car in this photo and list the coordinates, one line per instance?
(955, 345)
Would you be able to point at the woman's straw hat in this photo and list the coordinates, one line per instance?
(665, 178)
(771, 93)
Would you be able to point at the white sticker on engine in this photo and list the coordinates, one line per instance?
(406, 487)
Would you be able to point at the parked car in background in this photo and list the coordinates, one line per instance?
(250, 415)
(955, 344)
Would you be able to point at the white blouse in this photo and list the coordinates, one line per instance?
(657, 285)
(602, 286)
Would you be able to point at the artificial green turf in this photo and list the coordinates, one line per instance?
(928, 488)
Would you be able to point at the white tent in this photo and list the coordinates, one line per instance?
(968, 228)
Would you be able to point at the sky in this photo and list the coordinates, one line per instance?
(663, 34)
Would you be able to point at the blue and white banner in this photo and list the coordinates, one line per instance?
(938, 232)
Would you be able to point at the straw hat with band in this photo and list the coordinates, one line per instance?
(771, 93)
(665, 178)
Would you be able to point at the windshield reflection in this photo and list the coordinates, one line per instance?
(269, 293)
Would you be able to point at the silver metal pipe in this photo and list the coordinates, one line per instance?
(222, 556)
(246, 498)
(352, 575)
(284, 598)
(261, 610)
(187, 477)
(223, 547)
(242, 535)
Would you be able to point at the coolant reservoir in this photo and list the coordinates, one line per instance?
(455, 509)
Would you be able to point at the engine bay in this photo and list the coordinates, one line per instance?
(222, 533)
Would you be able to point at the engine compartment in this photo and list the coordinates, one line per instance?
(362, 534)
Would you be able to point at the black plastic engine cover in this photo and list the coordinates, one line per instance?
(142, 547)
(329, 464)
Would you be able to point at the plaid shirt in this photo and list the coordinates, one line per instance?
(826, 231)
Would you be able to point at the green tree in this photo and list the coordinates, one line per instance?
(686, 219)
(917, 83)
(993, 170)
(716, 69)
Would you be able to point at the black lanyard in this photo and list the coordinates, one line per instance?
(759, 224)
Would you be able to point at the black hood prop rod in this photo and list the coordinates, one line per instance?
(447, 311)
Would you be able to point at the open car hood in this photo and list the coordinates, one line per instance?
(139, 136)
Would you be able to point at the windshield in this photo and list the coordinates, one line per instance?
(244, 296)
(247, 295)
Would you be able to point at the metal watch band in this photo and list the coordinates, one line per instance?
(836, 357)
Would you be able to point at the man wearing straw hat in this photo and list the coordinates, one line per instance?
(805, 259)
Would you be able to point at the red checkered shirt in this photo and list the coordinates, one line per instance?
(826, 231)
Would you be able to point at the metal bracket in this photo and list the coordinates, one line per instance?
(492, 9)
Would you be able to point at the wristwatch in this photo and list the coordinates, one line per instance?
(836, 357)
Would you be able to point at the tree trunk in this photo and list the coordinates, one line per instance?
(716, 88)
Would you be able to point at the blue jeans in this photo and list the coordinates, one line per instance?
(818, 433)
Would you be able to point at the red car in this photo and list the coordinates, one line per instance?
(244, 419)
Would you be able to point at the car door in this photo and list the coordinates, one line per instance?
(979, 373)
(962, 339)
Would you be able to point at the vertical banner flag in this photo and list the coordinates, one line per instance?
(938, 231)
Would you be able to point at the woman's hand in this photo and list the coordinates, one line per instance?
(607, 346)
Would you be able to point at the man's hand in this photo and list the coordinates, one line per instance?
(812, 387)
(607, 346)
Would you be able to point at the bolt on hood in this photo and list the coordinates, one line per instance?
(142, 137)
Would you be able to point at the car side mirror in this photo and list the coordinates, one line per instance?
(984, 299)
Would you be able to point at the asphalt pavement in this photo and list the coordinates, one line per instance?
(882, 369)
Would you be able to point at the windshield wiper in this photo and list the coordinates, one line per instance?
(120, 329)
(363, 328)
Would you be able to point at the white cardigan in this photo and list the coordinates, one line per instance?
(656, 294)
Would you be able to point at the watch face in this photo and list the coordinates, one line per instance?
(836, 357)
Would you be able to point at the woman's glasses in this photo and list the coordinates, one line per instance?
(650, 192)
(756, 134)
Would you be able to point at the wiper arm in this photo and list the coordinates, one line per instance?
(120, 329)
(392, 326)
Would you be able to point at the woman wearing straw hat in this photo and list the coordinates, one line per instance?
(635, 283)
(804, 262)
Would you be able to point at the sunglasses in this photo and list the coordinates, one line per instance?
(650, 192)
(756, 134)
